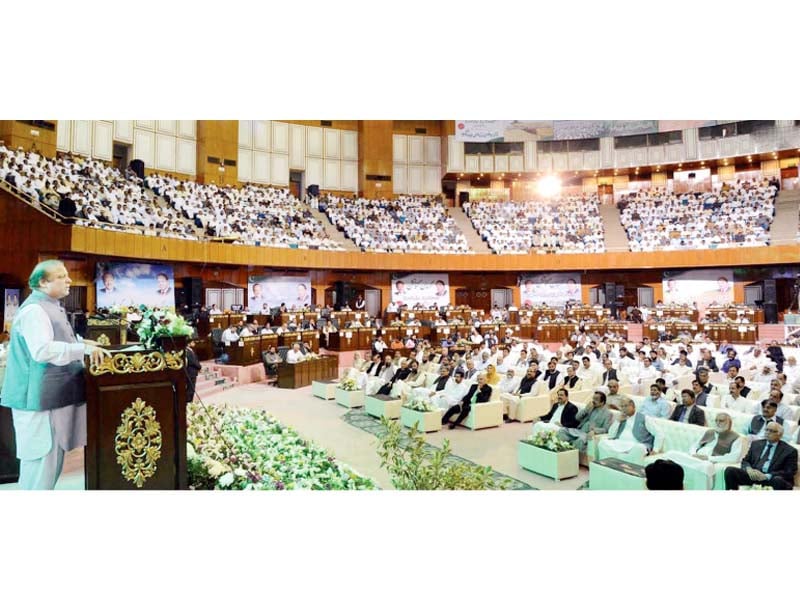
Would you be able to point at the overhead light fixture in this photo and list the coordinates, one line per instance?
(549, 186)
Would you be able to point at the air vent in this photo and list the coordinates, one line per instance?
(213, 160)
(326, 123)
(421, 130)
(229, 163)
(379, 177)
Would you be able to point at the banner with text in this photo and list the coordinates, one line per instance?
(274, 290)
(704, 286)
(132, 284)
(520, 131)
(553, 289)
(427, 289)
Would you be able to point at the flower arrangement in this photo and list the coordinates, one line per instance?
(158, 322)
(348, 384)
(760, 488)
(420, 405)
(247, 449)
(549, 441)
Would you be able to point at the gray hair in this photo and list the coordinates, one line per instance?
(42, 271)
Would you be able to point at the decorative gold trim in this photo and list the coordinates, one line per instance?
(106, 323)
(103, 340)
(122, 363)
(138, 442)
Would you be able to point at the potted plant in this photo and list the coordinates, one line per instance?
(422, 413)
(546, 454)
(163, 329)
(348, 393)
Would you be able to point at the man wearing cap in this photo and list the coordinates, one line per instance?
(771, 462)
(528, 386)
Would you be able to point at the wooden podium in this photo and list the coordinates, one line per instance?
(136, 422)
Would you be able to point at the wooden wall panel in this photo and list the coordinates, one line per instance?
(16, 134)
(375, 158)
(219, 139)
(91, 241)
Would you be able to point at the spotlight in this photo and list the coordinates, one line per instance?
(549, 186)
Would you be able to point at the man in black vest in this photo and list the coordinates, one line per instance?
(769, 462)
(478, 392)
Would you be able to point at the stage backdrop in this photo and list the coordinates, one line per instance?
(11, 305)
(703, 286)
(294, 290)
(426, 288)
(553, 289)
(132, 284)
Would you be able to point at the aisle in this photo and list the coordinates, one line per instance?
(322, 422)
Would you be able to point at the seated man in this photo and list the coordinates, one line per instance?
(294, 355)
(416, 379)
(589, 376)
(527, 386)
(688, 411)
(655, 405)
(453, 392)
(757, 430)
(402, 372)
(718, 445)
(594, 418)
(770, 462)
(734, 399)
(614, 398)
(562, 414)
(508, 383)
(427, 393)
(628, 436)
(272, 358)
(384, 376)
(478, 392)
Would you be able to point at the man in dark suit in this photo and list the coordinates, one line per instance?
(769, 462)
(193, 367)
(767, 416)
(706, 362)
(478, 392)
(609, 373)
(689, 412)
(563, 413)
(743, 389)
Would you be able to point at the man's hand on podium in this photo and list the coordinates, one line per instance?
(96, 352)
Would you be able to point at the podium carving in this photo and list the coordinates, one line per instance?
(136, 421)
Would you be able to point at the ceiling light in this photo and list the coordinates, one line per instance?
(549, 186)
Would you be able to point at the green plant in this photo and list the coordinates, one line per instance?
(549, 440)
(160, 322)
(414, 465)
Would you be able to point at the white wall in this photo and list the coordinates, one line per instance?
(416, 167)
(163, 145)
(268, 150)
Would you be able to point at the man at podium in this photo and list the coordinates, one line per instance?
(44, 384)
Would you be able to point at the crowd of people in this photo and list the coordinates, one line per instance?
(565, 225)
(739, 215)
(251, 215)
(406, 224)
(103, 197)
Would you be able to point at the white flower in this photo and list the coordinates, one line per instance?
(226, 479)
